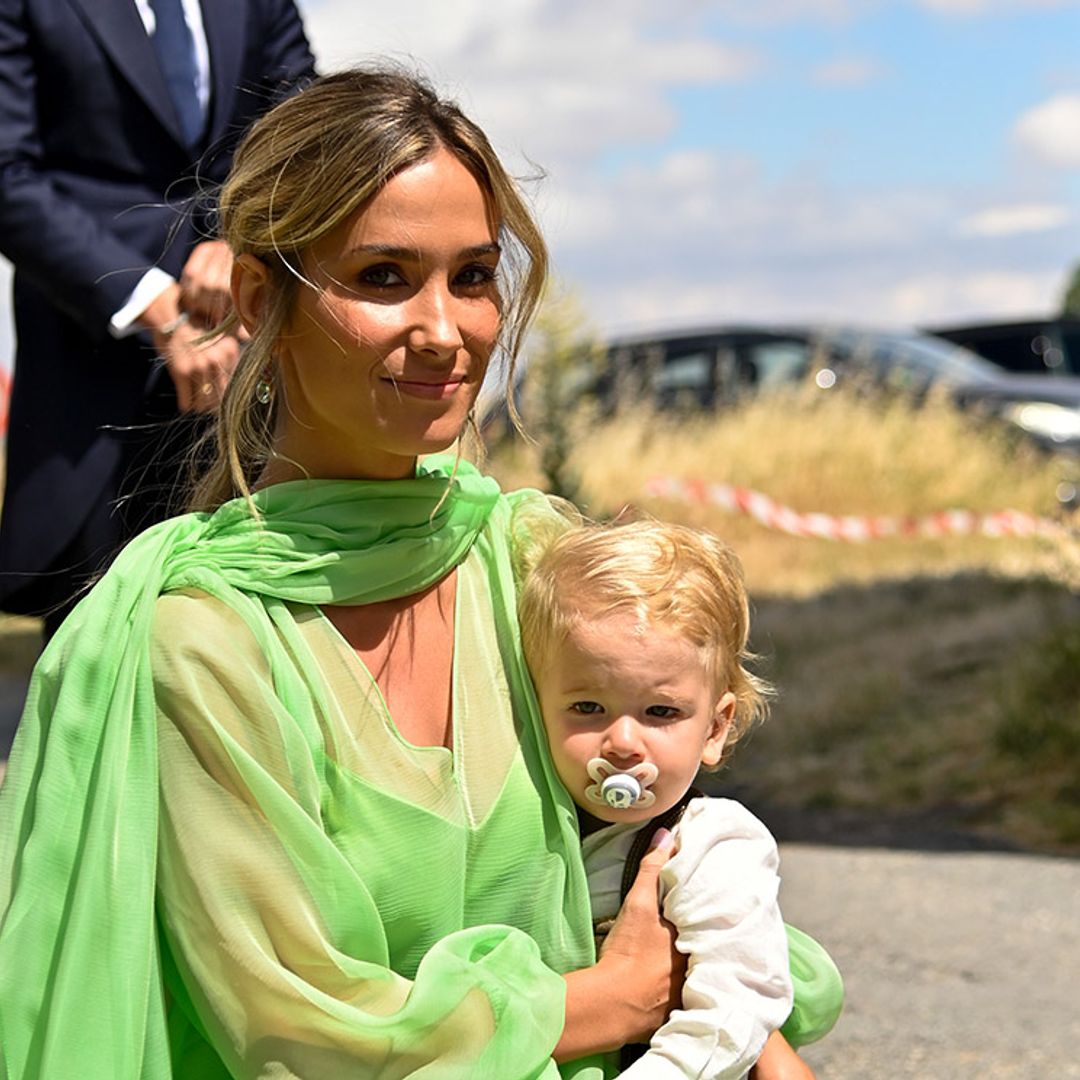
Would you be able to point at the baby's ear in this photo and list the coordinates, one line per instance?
(723, 714)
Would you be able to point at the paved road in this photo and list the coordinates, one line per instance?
(958, 965)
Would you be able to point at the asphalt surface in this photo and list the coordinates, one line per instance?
(960, 963)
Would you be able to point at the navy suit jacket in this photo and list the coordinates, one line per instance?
(96, 185)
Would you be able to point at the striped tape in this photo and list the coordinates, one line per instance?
(855, 529)
(5, 397)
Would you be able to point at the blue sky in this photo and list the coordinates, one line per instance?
(876, 161)
(891, 162)
(900, 93)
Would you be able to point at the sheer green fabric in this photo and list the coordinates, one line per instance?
(819, 990)
(294, 938)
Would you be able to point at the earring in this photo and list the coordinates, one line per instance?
(264, 391)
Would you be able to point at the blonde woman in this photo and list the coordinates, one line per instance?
(279, 805)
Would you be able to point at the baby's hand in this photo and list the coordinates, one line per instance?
(779, 1061)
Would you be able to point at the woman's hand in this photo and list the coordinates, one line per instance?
(779, 1061)
(642, 945)
(638, 979)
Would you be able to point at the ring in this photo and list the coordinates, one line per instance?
(206, 388)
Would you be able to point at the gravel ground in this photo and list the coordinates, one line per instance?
(958, 965)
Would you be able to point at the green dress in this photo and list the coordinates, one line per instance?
(218, 857)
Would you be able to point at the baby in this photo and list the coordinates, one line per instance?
(636, 637)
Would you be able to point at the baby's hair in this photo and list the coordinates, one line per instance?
(673, 578)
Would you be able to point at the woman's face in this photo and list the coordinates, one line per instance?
(383, 359)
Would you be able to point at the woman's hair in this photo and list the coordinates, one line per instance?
(672, 578)
(305, 167)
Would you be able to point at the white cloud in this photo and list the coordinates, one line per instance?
(991, 7)
(560, 81)
(1000, 294)
(697, 239)
(1051, 131)
(779, 12)
(1015, 220)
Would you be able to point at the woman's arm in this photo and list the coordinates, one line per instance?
(638, 979)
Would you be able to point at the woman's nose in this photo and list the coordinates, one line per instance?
(622, 742)
(434, 330)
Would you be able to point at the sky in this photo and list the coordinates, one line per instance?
(880, 162)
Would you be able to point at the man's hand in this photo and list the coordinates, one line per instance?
(204, 283)
(200, 371)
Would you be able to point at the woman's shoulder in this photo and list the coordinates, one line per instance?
(192, 626)
(187, 613)
(536, 520)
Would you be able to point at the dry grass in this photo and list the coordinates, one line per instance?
(832, 453)
(909, 670)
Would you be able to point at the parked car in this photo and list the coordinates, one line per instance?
(1036, 346)
(708, 368)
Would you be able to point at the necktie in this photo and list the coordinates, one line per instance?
(175, 48)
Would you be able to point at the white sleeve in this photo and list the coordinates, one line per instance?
(721, 895)
(151, 285)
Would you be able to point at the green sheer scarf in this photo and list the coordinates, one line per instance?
(80, 979)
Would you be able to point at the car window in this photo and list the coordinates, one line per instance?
(691, 371)
(1017, 350)
(773, 363)
(1070, 347)
(683, 380)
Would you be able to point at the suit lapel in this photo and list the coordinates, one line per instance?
(117, 26)
(224, 22)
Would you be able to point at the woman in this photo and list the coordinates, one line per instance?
(279, 806)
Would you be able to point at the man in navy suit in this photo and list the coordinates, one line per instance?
(116, 119)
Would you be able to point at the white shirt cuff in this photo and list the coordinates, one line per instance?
(151, 285)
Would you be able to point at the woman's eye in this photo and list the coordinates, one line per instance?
(587, 708)
(382, 277)
(474, 276)
(662, 712)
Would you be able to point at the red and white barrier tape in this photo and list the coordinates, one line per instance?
(773, 515)
(5, 397)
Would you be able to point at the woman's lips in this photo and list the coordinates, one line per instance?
(430, 391)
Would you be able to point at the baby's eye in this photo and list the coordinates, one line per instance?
(662, 712)
(587, 708)
(382, 276)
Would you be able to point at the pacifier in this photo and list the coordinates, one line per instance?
(621, 789)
